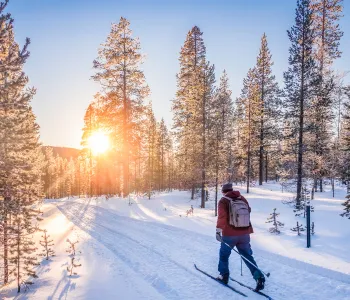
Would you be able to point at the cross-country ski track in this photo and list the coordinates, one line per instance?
(140, 256)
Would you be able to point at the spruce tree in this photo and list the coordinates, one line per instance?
(300, 81)
(21, 158)
(123, 89)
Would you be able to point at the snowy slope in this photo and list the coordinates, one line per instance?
(147, 250)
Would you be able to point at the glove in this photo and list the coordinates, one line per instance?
(218, 234)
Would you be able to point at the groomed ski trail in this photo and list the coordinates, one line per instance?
(163, 256)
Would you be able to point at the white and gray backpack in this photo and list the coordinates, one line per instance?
(239, 212)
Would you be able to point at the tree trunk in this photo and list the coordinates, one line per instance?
(249, 142)
(192, 192)
(266, 168)
(216, 174)
(6, 266)
(203, 145)
(301, 128)
(18, 261)
(125, 131)
(261, 150)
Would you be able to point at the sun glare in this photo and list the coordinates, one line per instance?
(98, 142)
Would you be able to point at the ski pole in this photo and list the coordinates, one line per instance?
(246, 259)
(241, 266)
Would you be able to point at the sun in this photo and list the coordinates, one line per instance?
(98, 142)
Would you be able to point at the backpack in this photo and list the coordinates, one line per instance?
(239, 212)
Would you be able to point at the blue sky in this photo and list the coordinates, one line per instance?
(66, 35)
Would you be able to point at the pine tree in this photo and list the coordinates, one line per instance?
(124, 89)
(22, 246)
(164, 145)
(151, 140)
(276, 224)
(221, 126)
(300, 81)
(208, 78)
(191, 110)
(249, 119)
(270, 111)
(72, 266)
(21, 158)
(71, 247)
(346, 149)
(48, 171)
(90, 125)
(298, 228)
(326, 16)
(47, 243)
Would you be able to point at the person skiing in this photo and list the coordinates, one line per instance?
(234, 228)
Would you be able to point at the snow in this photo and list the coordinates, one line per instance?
(146, 250)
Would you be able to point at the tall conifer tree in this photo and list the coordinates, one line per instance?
(270, 111)
(346, 149)
(124, 87)
(191, 110)
(220, 139)
(21, 158)
(300, 80)
(326, 16)
(249, 111)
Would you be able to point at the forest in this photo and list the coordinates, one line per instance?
(295, 132)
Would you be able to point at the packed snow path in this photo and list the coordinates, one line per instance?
(163, 256)
(146, 250)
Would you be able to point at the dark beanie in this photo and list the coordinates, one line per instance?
(226, 187)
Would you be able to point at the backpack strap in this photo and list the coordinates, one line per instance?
(231, 199)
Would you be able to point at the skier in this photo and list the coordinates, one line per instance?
(234, 229)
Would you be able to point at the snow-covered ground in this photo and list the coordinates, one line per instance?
(146, 250)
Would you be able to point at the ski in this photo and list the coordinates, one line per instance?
(212, 277)
(248, 287)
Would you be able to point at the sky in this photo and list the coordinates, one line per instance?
(66, 34)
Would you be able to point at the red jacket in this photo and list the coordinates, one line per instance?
(224, 218)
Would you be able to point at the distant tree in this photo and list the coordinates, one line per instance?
(48, 171)
(164, 145)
